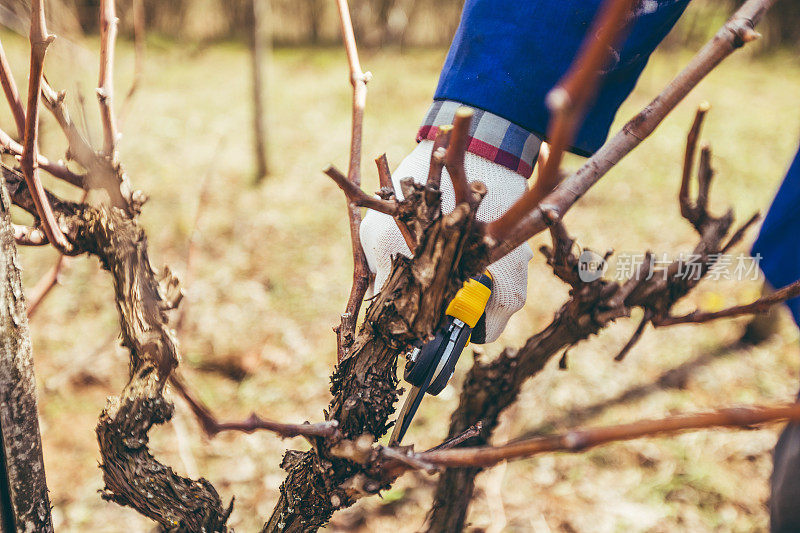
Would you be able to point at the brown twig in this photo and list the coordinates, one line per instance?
(103, 172)
(737, 31)
(56, 169)
(11, 92)
(688, 158)
(567, 103)
(762, 305)
(211, 426)
(384, 174)
(345, 331)
(471, 432)
(634, 338)
(356, 195)
(541, 159)
(45, 285)
(50, 279)
(409, 459)
(386, 184)
(40, 40)
(105, 85)
(438, 153)
(456, 152)
(578, 440)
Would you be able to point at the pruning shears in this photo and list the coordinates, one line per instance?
(429, 368)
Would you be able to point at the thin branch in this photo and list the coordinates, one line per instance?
(635, 337)
(39, 40)
(49, 280)
(762, 305)
(541, 159)
(567, 103)
(579, 440)
(438, 153)
(105, 85)
(45, 285)
(409, 459)
(346, 330)
(11, 92)
(56, 169)
(104, 172)
(79, 148)
(385, 180)
(211, 426)
(733, 35)
(739, 235)
(688, 158)
(384, 174)
(456, 152)
(140, 51)
(470, 433)
(356, 195)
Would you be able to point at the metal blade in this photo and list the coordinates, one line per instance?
(410, 406)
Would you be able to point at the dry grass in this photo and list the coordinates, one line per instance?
(274, 269)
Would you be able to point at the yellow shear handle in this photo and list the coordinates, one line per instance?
(470, 301)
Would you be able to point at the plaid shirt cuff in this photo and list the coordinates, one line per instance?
(491, 137)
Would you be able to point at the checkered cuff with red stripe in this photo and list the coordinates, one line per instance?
(490, 136)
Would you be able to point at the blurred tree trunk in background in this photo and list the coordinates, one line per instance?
(24, 502)
(261, 15)
(783, 24)
(316, 8)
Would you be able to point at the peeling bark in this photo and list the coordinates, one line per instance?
(23, 487)
(132, 476)
(364, 385)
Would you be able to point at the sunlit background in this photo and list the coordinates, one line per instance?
(272, 266)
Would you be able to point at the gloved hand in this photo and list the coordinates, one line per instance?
(381, 239)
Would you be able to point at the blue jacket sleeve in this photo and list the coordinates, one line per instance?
(777, 242)
(507, 54)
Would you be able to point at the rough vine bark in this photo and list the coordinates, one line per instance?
(343, 465)
(132, 476)
(364, 385)
(490, 387)
(23, 487)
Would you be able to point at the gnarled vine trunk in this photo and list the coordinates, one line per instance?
(23, 487)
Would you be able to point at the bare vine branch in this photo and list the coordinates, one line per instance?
(567, 103)
(56, 169)
(691, 147)
(50, 279)
(454, 158)
(736, 32)
(356, 195)
(40, 40)
(384, 174)
(212, 426)
(345, 331)
(578, 440)
(105, 85)
(438, 152)
(11, 92)
(762, 305)
(45, 285)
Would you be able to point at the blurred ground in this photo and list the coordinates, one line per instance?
(274, 271)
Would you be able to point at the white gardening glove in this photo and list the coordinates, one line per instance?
(381, 239)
